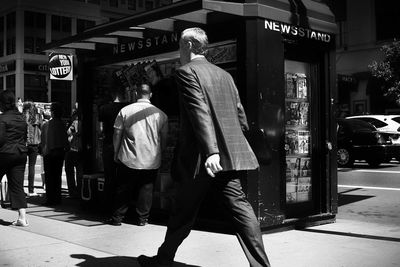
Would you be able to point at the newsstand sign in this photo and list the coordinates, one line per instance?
(297, 31)
(61, 67)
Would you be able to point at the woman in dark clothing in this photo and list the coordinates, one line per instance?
(54, 145)
(13, 153)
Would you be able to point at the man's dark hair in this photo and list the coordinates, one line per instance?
(56, 109)
(143, 89)
(7, 100)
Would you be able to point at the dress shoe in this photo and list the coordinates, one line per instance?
(20, 222)
(145, 261)
(111, 221)
(142, 222)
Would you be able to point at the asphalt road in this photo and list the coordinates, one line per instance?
(370, 195)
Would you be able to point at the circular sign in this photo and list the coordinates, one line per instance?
(60, 65)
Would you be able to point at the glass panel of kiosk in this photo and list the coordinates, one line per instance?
(297, 132)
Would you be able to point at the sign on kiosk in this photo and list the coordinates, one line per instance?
(61, 67)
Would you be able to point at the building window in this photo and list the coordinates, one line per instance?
(149, 5)
(10, 34)
(35, 87)
(387, 15)
(11, 21)
(82, 25)
(10, 43)
(60, 27)
(97, 2)
(35, 32)
(10, 82)
(1, 83)
(132, 4)
(141, 3)
(113, 3)
(1, 37)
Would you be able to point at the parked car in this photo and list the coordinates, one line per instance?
(383, 123)
(359, 140)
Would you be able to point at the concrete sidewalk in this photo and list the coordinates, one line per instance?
(63, 236)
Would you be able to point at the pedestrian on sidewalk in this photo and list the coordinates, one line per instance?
(33, 119)
(73, 157)
(140, 134)
(211, 152)
(54, 145)
(13, 153)
(107, 115)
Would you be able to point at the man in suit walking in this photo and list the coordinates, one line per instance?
(211, 152)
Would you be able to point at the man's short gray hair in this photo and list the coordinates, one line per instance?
(198, 38)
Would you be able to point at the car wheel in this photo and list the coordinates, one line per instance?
(374, 163)
(344, 158)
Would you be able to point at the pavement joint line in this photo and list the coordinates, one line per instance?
(375, 237)
(376, 171)
(369, 187)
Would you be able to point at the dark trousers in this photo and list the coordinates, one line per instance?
(136, 183)
(53, 164)
(188, 201)
(13, 165)
(110, 173)
(74, 168)
(33, 151)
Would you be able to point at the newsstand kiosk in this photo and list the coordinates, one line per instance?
(281, 55)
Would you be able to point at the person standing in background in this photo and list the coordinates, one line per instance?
(107, 115)
(140, 135)
(54, 145)
(73, 158)
(34, 121)
(13, 153)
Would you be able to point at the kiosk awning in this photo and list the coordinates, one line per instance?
(316, 15)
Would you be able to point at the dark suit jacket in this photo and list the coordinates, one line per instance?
(212, 120)
(13, 133)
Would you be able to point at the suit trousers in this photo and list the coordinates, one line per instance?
(33, 151)
(53, 163)
(188, 201)
(136, 183)
(13, 165)
(74, 172)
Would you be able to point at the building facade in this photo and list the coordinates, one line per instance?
(363, 27)
(25, 27)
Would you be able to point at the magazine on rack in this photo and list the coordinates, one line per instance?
(301, 85)
(291, 142)
(290, 85)
(303, 141)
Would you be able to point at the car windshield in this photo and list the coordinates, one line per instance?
(360, 125)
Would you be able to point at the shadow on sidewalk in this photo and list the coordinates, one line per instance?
(345, 198)
(115, 261)
(70, 210)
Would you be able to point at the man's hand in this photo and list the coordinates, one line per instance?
(212, 165)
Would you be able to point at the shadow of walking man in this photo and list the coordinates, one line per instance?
(115, 261)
